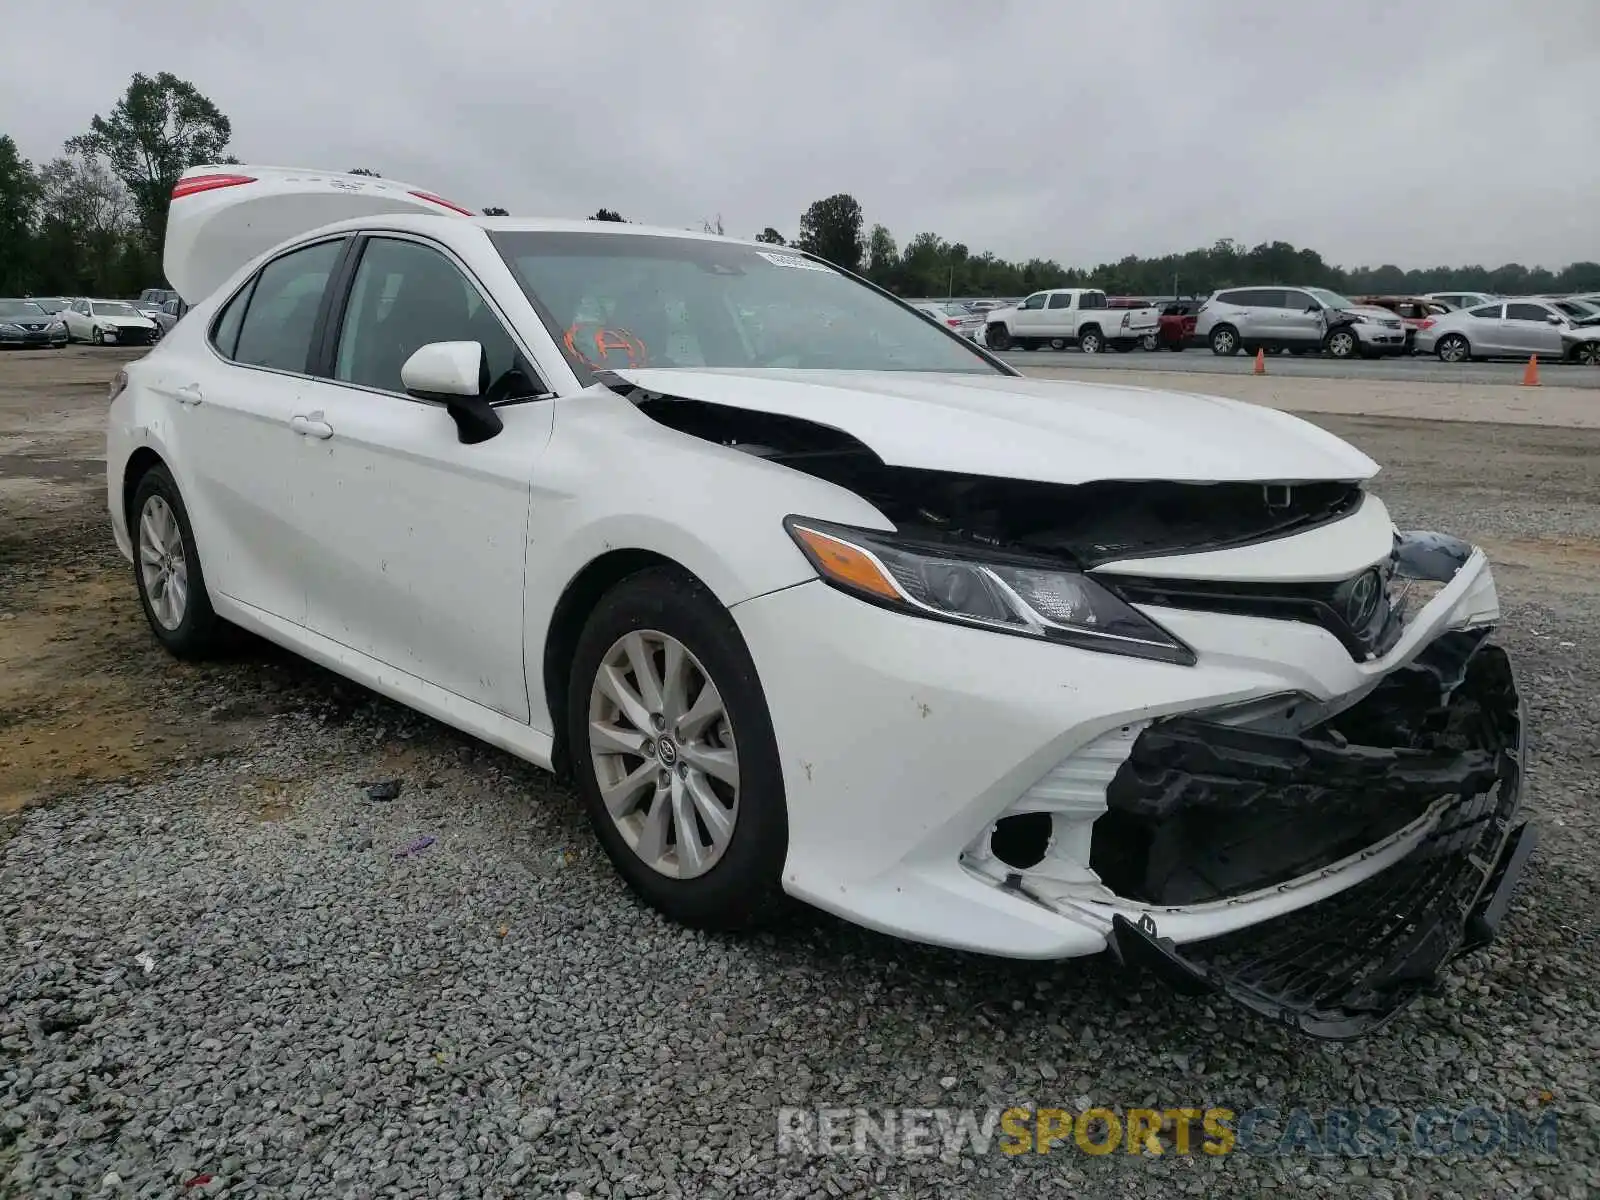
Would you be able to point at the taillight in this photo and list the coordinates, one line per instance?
(953, 321)
(119, 384)
(207, 183)
(443, 203)
(1425, 323)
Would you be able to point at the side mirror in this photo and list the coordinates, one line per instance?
(1555, 320)
(1314, 307)
(455, 374)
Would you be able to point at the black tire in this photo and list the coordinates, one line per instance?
(743, 890)
(1149, 342)
(1091, 340)
(1587, 353)
(1344, 343)
(997, 337)
(201, 633)
(1058, 343)
(1453, 348)
(1224, 341)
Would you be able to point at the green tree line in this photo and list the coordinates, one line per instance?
(928, 265)
(91, 222)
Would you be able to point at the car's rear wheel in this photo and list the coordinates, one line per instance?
(166, 568)
(1149, 341)
(674, 753)
(1090, 341)
(1224, 340)
(1453, 348)
(997, 337)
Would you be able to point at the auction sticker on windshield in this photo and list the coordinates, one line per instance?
(792, 260)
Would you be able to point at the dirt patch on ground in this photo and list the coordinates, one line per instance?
(86, 694)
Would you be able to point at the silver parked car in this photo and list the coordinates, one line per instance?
(1302, 320)
(1462, 299)
(1513, 328)
(958, 318)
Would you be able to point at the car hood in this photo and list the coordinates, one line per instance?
(122, 322)
(1048, 431)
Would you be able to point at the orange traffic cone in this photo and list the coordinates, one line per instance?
(1530, 373)
(1261, 362)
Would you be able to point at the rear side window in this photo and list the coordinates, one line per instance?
(1061, 300)
(225, 330)
(1526, 312)
(1489, 312)
(282, 313)
(1229, 298)
(1093, 300)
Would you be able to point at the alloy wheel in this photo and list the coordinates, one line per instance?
(162, 563)
(664, 755)
(1089, 343)
(1453, 349)
(1342, 345)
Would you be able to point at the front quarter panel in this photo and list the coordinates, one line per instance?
(615, 480)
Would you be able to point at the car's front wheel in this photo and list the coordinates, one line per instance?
(172, 587)
(674, 753)
(997, 337)
(1343, 343)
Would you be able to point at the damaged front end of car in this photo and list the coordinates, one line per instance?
(1319, 859)
(1377, 835)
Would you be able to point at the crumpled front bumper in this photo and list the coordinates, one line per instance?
(1342, 967)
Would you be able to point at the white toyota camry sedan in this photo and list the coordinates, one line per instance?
(812, 598)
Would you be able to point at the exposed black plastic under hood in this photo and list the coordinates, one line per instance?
(1088, 524)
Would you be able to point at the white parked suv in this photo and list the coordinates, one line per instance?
(1059, 317)
(812, 599)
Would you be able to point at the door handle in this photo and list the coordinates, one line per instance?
(311, 426)
(190, 394)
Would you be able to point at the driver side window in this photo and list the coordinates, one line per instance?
(406, 295)
(1034, 301)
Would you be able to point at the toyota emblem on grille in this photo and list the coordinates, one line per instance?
(1362, 601)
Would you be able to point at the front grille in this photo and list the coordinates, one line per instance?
(1360, 611)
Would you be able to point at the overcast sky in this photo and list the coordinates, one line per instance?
(1405, 132)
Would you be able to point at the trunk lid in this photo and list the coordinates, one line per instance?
(222, 217)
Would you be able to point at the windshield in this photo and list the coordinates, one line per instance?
(20, 310)
(615, 301)
(113, 308)
(957, 310)
(1330, 299)
(51, 306)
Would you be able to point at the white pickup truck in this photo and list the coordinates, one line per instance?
(1058, 317)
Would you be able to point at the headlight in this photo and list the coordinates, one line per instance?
(55, 325)
(1008, 594)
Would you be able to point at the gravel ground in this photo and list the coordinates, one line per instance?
(220, 975)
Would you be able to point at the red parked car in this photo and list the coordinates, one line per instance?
(1175, 329)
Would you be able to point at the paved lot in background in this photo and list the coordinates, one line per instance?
(212, 963)
(1415, 369)
(1481, 403)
